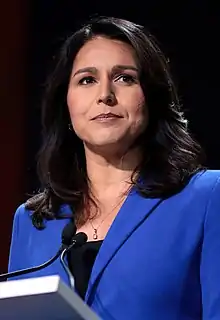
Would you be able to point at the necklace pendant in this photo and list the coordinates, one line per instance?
(95, 235)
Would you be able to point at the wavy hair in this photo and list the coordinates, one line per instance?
(170, 155)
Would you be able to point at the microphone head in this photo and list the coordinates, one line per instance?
(79, 239)
(68, 233)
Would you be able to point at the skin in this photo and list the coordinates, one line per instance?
(105, 81)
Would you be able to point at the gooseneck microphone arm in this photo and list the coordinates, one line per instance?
(66, 268)
(79, 239)
(5, 276)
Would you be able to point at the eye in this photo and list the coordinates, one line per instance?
(126, 78)
(86, 80)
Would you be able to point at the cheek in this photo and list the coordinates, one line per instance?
(76, 114)
(78, 107)
(75, 106)
(138, 115)
(70, 103)
(138, 110)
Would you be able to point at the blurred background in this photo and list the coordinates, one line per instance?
(31, 32)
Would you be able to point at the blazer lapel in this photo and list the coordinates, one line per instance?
(133, 212)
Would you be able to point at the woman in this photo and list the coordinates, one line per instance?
(118, 158)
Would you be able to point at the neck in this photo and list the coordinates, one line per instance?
(111, 171)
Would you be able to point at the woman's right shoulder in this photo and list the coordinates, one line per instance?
(22, 211)
(22, 216)
(25, 211)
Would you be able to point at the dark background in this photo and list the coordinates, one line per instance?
(31, 34)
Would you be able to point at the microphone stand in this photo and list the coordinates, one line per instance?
(65, 266)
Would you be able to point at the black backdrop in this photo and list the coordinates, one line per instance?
(187, 32)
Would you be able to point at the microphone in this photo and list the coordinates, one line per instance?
(78, 240)
(67, 234)
(67, 241)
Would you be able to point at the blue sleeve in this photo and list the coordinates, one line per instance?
(210, 259)
(15, 247)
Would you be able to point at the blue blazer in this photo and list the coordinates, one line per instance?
(163, 265)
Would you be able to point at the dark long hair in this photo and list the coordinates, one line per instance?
(170, 155)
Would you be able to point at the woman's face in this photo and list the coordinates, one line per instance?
(105, 99)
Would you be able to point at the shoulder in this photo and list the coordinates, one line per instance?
(204, 190)
(200, 195)
(23, 226)
(22, 215)
(29, 245)
(205, 181)
(207, 177)
(209, 181)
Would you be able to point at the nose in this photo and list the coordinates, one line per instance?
(106, 95)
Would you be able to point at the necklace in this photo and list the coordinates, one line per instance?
(95, 229)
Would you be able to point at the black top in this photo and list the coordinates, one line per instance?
(80, 261)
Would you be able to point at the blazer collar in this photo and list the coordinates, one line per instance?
(133, 212)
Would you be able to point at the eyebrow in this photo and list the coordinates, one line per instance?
(116, 68)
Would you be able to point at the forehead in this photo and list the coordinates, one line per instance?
(101, 51)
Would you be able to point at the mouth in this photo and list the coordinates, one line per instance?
(108, 115)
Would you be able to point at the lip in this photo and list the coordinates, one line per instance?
(108, 115)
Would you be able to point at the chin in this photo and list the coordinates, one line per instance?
(102, 144)
(102, 139)
(106, 142)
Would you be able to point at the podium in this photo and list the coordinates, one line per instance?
(43, 298)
